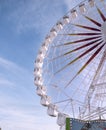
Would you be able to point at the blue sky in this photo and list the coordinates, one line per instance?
(23, 27)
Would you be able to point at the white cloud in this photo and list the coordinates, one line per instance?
(12, 74)
(15, 119)
(20, 110)
(36, 15)
(11, 66)
(5, 82)
(26, 15)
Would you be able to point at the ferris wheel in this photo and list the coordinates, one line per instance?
(70, 68)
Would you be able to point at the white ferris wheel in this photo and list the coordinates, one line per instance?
(70, 68)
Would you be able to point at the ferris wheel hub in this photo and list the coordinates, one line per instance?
(103, 30)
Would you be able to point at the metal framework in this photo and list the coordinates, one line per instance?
(70, 68)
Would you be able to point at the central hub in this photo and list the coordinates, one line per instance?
(103, 30)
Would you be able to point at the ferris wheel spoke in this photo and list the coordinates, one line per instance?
(76, 49)
(83, 54)
(86, 52)
(62, 62)
(61, 90)
(93, 21)
(83, 46)
(83, 67)
(61, 69)
(79, 41)
(101, 14)
(91, 58)
(82, 34)
(66, 105)
(82, 40)
(101, 63)
(87, 27)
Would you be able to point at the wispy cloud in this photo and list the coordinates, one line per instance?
(20, 109)
(5, 82)
(12, 75)
(19, 118)
(34, 15)
(11, 66)
(14, 111)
